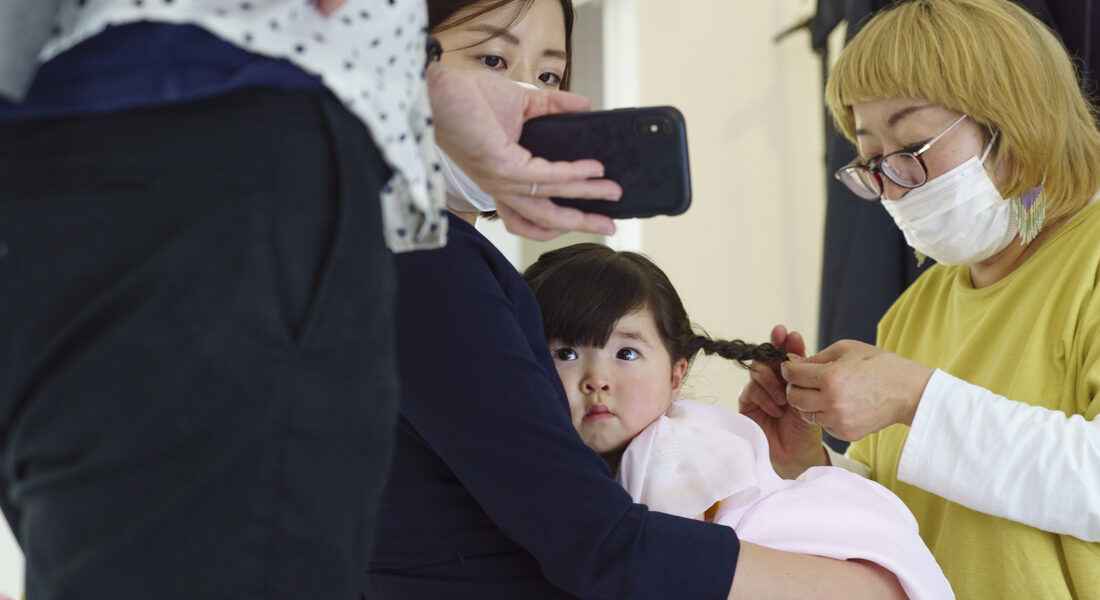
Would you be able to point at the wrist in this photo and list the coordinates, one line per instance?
(813, 456)
(921, 375)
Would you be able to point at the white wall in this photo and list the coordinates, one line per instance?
(11, 563)
(747, 255)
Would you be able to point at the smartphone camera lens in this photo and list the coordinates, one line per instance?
(653, 127)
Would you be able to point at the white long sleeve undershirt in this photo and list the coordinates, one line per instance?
(1024, 463)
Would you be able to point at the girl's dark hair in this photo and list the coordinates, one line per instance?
(584, 289)
(440, 13)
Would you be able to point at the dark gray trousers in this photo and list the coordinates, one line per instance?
(197, 382)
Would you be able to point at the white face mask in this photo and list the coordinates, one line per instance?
(958, 218)
(460, 192)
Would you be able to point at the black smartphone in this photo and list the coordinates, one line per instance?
(644, 150)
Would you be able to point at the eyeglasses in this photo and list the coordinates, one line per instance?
(905, 167)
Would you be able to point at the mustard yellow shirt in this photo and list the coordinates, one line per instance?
(1033, 337)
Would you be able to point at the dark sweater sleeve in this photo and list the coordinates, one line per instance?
(476, 390)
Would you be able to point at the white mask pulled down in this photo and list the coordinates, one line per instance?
(958, 218)
(460, 192)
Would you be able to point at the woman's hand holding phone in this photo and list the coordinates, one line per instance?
(479, 118)
(643, 149)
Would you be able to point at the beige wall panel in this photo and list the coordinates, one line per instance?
(747, 255)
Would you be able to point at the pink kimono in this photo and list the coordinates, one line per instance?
(697, 455)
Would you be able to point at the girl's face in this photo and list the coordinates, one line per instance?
(890, 124)
(617, 391)
(531, 50)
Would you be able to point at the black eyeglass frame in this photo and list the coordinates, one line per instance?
(855, 169)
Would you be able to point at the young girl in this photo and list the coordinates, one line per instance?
(622, 344)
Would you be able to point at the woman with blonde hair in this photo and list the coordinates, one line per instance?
(978, 406)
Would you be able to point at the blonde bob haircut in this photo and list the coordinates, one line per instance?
(995, 62)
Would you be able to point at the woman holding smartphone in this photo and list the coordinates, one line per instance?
(492, 492)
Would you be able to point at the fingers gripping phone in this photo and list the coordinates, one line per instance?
(644, 150)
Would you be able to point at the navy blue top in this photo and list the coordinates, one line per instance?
(149, 64)
(492, 493)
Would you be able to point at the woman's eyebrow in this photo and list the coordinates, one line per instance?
(898, 116)
(496, 33)
(501, 33)
(905, 112)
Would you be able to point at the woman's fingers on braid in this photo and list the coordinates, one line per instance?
(771, 386)
(802, 399)
(779, 335)
(838, 350)
(754, 397)
(794, 344)
(803, 373)
(767, 353)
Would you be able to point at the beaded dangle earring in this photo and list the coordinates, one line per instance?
(1029, 211)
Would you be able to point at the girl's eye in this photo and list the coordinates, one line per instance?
(550, 79)
(493, 62)
(628, 354)
(565, 354)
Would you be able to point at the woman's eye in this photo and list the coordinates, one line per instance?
(493, 62)
(628, 354)
(870, 162)
(565, 354)
(550, 79)
(912, 148)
